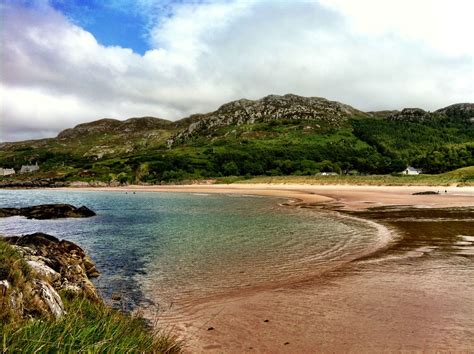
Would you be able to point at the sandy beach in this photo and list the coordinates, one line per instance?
(416, 295)
(347, 197)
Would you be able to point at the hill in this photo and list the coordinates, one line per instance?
(275, 135)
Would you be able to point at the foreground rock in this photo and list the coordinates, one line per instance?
(56, 266)
(49, 211)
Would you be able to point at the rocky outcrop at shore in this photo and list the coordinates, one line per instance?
(48, 211)
(33, 183)
(55, 267)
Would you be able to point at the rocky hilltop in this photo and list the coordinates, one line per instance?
(269, 108)
(410, 114)
(108, 125)
(460, 111)
(464, 110)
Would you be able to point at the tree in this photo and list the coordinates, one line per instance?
(230, 169)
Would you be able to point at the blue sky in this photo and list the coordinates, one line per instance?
(113, 23)
(75, 61)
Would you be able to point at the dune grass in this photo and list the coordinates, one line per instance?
(87, 327)
(459, 177)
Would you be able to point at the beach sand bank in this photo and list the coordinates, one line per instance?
(347, 197)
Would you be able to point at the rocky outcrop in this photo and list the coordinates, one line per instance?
(269, 108)
(48, 211)
(55, 266)
(410, 114)
(33, 183)
(458, 111)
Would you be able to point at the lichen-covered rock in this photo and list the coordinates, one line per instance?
(44, 271)
(48, 300)
(61, 263)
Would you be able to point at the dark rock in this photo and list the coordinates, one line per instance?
(266, 321)
(425, 193)
(286, 343)
(210, 329)
(34, 183)
(49, 211)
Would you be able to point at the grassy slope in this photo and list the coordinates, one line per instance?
(87, 327)
(365, 145)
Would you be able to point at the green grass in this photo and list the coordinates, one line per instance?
(87, 327)
(460, 177)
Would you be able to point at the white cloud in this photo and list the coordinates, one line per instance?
(372, 56)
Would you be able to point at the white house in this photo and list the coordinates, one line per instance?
(29, 168)
(411, 171)
(6, 171)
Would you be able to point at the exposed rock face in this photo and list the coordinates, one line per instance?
(273, 107)
(57, 265)
(49, 211)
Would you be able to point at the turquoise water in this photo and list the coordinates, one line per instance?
(174, 248)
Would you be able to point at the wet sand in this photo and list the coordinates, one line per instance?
(417, 294)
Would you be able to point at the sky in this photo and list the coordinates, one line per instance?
(65, 62)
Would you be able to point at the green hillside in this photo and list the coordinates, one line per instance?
(277, 135)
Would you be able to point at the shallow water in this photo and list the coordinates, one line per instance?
(166, 248)
(415, 294)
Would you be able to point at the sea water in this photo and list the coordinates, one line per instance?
(166, 248)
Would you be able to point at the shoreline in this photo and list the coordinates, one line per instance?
(348, 197)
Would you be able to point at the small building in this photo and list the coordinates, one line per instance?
(411, 171)
(6, 171)
(29, 168)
